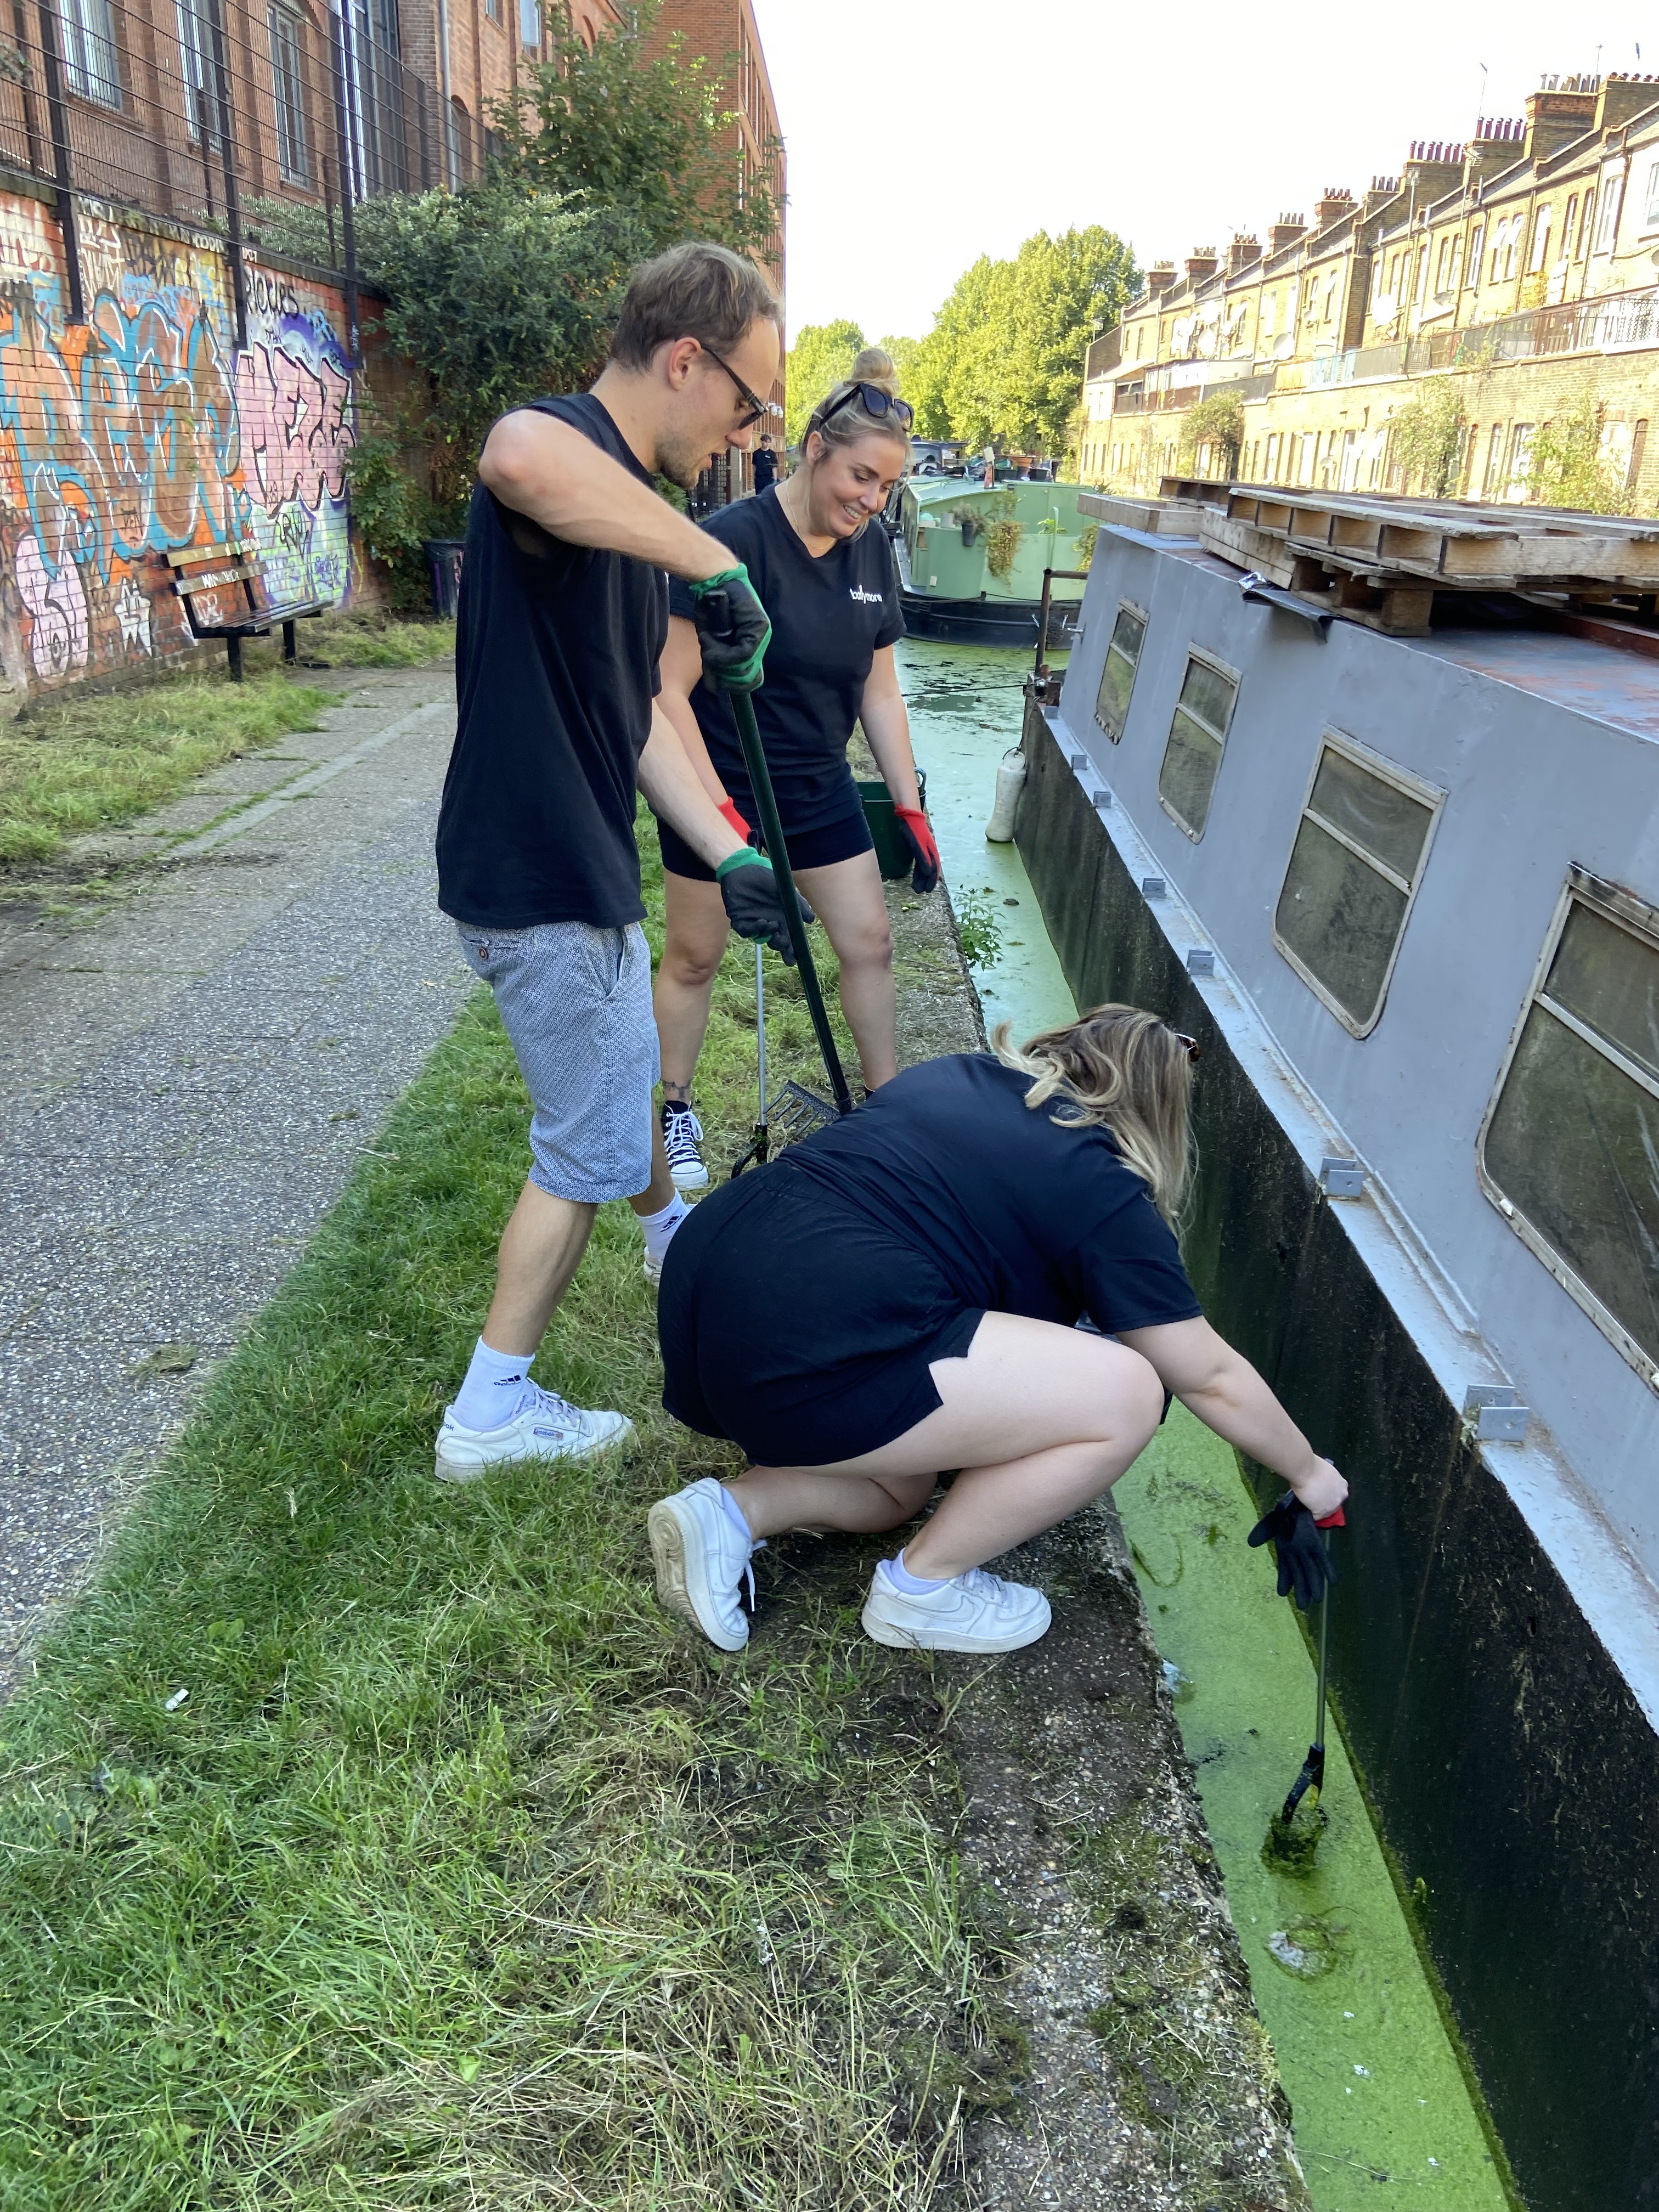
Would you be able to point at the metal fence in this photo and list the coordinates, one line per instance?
(187, 108)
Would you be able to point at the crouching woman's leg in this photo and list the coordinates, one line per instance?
(1040, 1421)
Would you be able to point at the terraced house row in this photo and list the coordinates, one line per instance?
(1485, 325)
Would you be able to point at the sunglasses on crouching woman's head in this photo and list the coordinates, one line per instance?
(1190, 1045)
(877, 402)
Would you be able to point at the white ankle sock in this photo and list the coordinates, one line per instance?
(660, 1227)
(496, 1387)
(737, 1516)
(912, 1585)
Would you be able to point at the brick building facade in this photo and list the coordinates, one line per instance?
(1517, 271)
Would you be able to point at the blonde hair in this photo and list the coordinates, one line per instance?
(1123, 1070)
(847, 425)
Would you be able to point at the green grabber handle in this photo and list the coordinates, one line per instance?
(760, 780)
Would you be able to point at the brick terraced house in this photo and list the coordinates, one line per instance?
(1517, 271)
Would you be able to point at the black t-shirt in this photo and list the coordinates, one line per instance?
(1021, 1215)
(556, 668)
(765, 466)
(830, 616)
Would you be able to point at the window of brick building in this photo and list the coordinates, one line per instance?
(493, 10)
(1650, 205)
(1521, 443)
(1569, 227)
(91, 63)
(287, 85)
(1494, 462)
(1198, 734)
(1541, 237)
(1613, 193)
(1477, 247)
(530, 23)
(1568, 1150)
(192, 68)
(1456, 278)
(1584, 224)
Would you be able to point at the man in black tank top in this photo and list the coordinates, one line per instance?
(563, 612)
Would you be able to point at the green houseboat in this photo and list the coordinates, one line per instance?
(971, 558)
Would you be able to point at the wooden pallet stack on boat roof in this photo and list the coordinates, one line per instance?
(1380, 560)
(1175, 513)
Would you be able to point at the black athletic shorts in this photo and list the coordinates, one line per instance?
(843, 839)
(798, 1326)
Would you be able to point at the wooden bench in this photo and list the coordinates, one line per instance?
(219, 575)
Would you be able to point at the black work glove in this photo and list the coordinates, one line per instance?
(732, 629)
(1305, 1567)
(754, 900)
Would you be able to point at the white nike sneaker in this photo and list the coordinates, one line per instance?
(975, 1611)
(551, 1427)
(703, 1562)
(682, 1134)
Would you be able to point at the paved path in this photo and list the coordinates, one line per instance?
(185, 1086)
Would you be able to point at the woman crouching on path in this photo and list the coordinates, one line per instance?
(824, 572)
(896, 1296)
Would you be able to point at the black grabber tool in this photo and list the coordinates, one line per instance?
(792, 1110)
(1311, 1780)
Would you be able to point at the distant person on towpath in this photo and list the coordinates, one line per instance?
(563, 612)
(764, 466)
(895, 1297)
(821, 564)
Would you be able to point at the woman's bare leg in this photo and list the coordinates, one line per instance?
(693, 949)
(1040, 1419)
(847, 897)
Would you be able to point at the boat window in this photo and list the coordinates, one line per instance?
(1198, 731)
(1354, 869)
(1117, 678)
(1570, 1153)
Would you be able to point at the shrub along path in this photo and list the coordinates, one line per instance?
(373, 1844)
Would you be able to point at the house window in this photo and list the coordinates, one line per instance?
(1569, 227)
(1455, 281)
(1569, 1152)
(1494, 460)
(192, 68)
(1521, 440)
(1607, 230)
(493, 10)
(287, 83)
(1117, 678)
(1477, 247)
(530, 23)
(1511, 239)
(1584, 227)
(92, 66)
(1651, 211)
(1443, 261)
(1540, 238)
(1197, 731)
(1353, 872)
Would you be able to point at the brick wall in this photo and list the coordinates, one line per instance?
(145, 429)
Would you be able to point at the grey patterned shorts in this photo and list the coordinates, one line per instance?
(576, 1003)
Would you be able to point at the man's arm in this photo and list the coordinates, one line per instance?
(674, 791)
(547, 470)
(1221, 1386)
(681, 670)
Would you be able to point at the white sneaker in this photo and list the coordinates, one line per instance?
(703, 1562)
(975, 1611)
(548, 1428)
(682, 1134)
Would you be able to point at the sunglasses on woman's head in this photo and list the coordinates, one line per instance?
(1194, 1050)
(877, 402)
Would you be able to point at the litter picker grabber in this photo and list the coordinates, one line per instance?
(1311, 1780)
(794, 1111)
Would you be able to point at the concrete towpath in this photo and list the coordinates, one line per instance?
(185, 1082)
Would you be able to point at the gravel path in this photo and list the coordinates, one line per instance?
(185, 1082)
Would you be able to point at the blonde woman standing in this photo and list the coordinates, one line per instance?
(813, 549)
(896, 1296)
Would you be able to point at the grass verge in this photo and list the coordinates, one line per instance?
(366, 637)
(85, 763)
(461, 1876)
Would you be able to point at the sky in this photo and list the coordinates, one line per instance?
(923, 133)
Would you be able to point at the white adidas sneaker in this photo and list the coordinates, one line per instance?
(975, 1611)
(703, 1562)
(551, 1427)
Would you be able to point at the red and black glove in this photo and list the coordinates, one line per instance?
(729, 814)
(919, 836)
(1306, 1569)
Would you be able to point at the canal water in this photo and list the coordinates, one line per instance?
(1385, 2116)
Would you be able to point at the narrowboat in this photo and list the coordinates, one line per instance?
(971, 558)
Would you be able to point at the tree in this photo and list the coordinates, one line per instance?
(822, 355)
(1003, 363)
(1216, 423)
(1569, 467)
(1427, 440)
(648, 136)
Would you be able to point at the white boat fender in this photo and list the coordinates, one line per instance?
(1011, 781)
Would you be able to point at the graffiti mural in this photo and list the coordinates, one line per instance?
(144, 429)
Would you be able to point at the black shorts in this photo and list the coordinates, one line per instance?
(843, 839)
(798, 1326)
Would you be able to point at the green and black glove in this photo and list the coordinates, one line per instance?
(732, 629)
(753, 898)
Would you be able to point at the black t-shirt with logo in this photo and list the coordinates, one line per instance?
(556, 667)
(830, 616)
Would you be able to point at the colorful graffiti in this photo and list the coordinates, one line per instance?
(144, 429)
